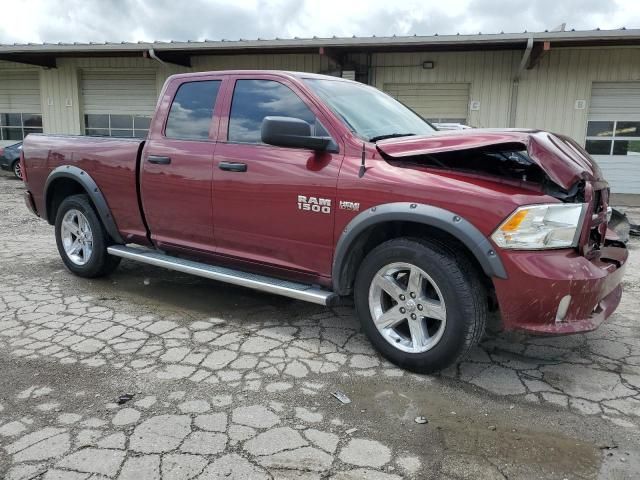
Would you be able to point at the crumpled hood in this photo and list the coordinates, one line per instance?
(560, 157)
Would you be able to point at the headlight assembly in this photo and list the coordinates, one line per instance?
(544, 226)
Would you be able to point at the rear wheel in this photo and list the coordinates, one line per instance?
(82, 240)
(17, 169)
(421, 305)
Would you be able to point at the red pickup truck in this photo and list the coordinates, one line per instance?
(318, 188)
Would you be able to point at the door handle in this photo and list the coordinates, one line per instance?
(233, 166)
(155, 159)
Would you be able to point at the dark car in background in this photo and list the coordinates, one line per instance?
(10, 159)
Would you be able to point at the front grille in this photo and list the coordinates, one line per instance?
(595, 239)
(597, 219)
(597, 201)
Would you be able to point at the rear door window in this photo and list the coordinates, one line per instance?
(192, 110)
(255, 99)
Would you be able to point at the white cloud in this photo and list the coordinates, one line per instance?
(136, 20)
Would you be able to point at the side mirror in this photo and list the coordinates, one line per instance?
(292, 132)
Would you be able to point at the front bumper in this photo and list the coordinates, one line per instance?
(537, 281)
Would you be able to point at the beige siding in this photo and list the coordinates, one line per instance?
(119, 63)
(435, 101)
(60, 99)
(489, 75)
(547, 94)
(20, 92)
(165, 71)
(292, 62)
(4, 66)
(615, 101)
(205, 63)
(119, 91)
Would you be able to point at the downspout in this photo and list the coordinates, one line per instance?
(152, 54)
(516, 82)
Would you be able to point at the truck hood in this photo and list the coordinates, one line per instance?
(561, 158)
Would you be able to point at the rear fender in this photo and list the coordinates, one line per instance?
(91, 188)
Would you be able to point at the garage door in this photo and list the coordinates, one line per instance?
(118, 103)
(437, 102)
(20, 110)
(613, 133)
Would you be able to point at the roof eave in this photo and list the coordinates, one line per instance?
(395, 43)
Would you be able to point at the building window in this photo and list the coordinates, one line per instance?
(461, 121)
(116, 125)
(617, 137)
(16, 126)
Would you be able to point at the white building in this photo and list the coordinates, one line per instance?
(585, 84)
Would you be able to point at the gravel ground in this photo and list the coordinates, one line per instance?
(229, 383)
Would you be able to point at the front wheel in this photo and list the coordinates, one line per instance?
(82, 240)
(421, 305)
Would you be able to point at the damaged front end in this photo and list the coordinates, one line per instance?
(509, 154)
(551, 164)
(564, 266)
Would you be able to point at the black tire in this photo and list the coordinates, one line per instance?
(16, 169)
(462, 291)
(99, 263)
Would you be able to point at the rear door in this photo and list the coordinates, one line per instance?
(273, 205)
(177, 166)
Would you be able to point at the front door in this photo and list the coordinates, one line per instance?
(273, 205)
(177, 166)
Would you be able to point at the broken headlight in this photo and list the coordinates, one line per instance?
(537, 227)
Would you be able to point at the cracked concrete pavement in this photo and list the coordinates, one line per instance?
(230, 383)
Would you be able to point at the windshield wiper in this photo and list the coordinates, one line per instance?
(390, 135)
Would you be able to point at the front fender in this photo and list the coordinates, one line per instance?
(429, 215)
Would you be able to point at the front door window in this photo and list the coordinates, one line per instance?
(253, 100)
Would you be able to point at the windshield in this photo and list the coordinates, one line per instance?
(369, 113)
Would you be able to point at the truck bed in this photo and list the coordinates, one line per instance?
(112, 163)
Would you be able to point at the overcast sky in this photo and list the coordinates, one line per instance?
(145, 20)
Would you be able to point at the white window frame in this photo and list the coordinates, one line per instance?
(461, 121)
(109, 128)
(22, 126)
(613, 136)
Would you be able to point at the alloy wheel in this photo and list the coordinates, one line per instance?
(77, 238)
(17, 170)
(407, 307)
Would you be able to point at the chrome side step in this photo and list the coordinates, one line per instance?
(299, 291)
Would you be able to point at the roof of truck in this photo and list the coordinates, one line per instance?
(285, 73)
